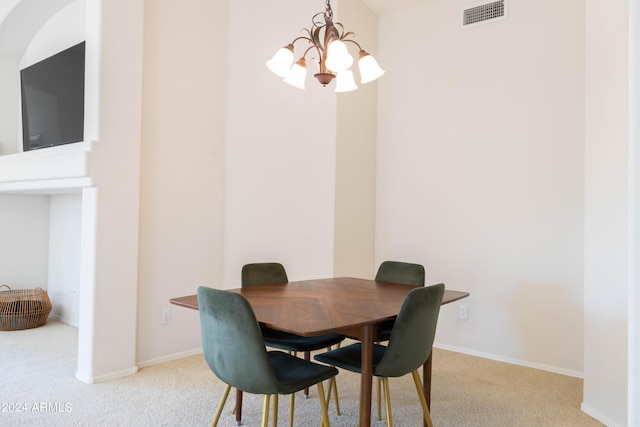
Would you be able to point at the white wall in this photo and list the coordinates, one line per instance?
(109, 272)
(65, 219)
(356, 154)
(65, 29)
(182, 180)
(24, 245)
(480, 172)
(634, 288)
(607, 209)
(227, 136)
(5, 8)
(9, 85)
(281, 148)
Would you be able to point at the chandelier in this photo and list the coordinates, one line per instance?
(333, 59)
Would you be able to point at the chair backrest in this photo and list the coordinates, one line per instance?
(401, 272)
(265, 273)
(413, 333)
(232, 342)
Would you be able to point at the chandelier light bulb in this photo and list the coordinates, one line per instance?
(369, 68)
(325, 43)
(281, 62)
(338, 58)
(345, 81)
(297, 74)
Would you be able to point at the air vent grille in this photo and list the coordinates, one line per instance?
(483, 13)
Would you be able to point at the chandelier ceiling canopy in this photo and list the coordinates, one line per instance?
(333, 58)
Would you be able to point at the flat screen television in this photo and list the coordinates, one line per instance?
(53, 100)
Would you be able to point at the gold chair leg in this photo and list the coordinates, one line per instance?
(275, 411)
(335, 395)
(265, 411)
(379, 381)
(292, 400)
(423, 401)
(387, 398)
(324, 422)
(333, 386)
(223, 399)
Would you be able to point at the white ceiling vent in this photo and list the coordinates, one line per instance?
(484, 13)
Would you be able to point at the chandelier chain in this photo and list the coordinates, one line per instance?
(327, 16)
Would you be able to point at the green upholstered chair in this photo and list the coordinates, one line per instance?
(270, 273)
(235, 352)
(401, 272)
(263, 273)
(398, 272)
(409, 346)
(404, 273)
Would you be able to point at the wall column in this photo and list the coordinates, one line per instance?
(634, 288)
(608, 208)
(108, 317)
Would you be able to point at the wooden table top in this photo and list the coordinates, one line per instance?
(319, 306)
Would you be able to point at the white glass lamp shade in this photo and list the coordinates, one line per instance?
(345, 81)
(281, 61)
(297, 74)
(369, 68)
(338, 58)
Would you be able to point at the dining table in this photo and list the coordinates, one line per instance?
(356, 308)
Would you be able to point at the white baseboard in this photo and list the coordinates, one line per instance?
(61, 319)
(107, 377)
(518, 362)
(598, 416)
(84, 379)
(131, 371)
(170, 357)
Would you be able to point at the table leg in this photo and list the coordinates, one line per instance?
(307, 357)
(366, 376)
(426, 381)
(238, 406)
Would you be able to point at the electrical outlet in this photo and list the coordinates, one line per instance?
(462, 312)
(166, 316)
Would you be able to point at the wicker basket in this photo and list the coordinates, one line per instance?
(23, 309)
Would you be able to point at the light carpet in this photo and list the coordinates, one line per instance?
(38, 388)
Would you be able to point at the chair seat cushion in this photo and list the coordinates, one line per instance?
(350, 357)
(294, 374)
(291, 342)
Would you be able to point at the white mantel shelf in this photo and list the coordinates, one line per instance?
(52, 170)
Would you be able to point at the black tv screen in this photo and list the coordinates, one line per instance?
(53, 100)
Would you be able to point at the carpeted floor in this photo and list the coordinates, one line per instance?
(38, 388)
